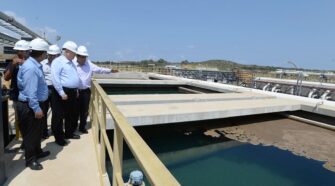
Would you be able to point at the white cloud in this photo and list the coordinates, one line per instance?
(118, 53)
(87, 44)
(190, 46)
(19, 19)
(49, 33)
(122, 54)
(50, 30)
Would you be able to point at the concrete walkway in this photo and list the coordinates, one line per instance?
(74, 164)
(174, 108)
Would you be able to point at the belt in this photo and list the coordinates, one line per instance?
(26, 102)
(84, 90)
(70, 89)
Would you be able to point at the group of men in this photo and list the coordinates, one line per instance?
(44, 77)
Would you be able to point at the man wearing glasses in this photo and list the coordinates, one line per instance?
(66, 82)
(85, 69)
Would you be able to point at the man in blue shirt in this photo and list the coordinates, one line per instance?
(66, 82)
(33, 91)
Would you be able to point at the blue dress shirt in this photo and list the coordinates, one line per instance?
(31, 84)
(64, 74)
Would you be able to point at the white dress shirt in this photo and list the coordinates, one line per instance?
(64, 74)
(85, 72)
(47, 71)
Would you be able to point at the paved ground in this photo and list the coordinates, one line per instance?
(75, 164)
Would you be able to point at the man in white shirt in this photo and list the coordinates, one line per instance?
(64, 97)
(85, 69)
(53, 53)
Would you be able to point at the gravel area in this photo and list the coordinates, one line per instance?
(297, 137)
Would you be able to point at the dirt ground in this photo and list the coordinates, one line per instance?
(299, 138)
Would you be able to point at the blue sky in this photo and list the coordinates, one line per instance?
(263, 32)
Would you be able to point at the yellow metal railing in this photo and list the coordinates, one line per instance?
(153, 168)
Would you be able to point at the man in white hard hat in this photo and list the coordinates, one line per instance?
(33, 91)
(66, 82)
(85, 69)
(22, 53)
(53, 53)
(135, 179)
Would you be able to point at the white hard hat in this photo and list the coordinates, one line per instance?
(82, 50)
(54, 50)
(39, 45)
(21, 45)
(136, 177)
(70, 45)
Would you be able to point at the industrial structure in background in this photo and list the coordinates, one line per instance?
(316, 90)
(211, 99)
(306, 84)
(7, 40)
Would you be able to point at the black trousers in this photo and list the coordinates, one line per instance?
(71, 111)
(57, 116)
(64, 110)
(45, 109)
(83, 104)
(31, 129)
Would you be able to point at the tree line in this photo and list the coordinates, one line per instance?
(212, 64)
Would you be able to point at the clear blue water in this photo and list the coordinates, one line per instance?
(247, 164)
(199, 160)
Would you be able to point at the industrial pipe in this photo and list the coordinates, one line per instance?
(187, 90)
(291, 91)
(312, 94)
(266, 87)
(308, 121)
(275, 88)
(325, 95)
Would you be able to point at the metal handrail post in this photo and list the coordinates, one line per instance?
(102, 141)
(118, 153)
